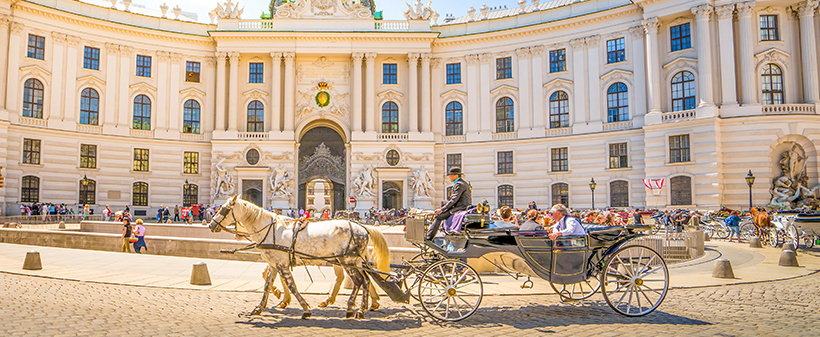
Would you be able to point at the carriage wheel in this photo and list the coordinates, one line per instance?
(411, 279)
(722, 232)
(774, 238)
(808, 242)
(635, 280)
(793, 235)
(577, 291)
(450, 290)
(747, 231)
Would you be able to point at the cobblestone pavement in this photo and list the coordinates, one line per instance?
(32, 306)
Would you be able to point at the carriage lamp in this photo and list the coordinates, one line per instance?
(592, 185)
(750, 179)
(85, 180)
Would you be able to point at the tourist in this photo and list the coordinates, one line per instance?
(325, 215)
(159, 214)
(681, 220)
(190, 215)
(176, 213)
(86, 212)
(532, 205)
(506, 218)
(733, 222)
(23, 210)
(637, 216)
(107, 213)
(126, 235)
(166, 215)
(608, 219)
(139, 231)
(532, 223)
(565, 224)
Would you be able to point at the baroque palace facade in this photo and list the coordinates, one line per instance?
(324, 102)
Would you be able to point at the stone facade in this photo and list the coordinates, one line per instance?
(635, 76)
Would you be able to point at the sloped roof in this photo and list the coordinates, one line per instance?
(506, 12)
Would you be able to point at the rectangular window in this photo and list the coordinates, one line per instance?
(503, 68)
(454, 73)
(143, 66)
(31, 151)
(91, 58)
(679, 149)
(558, 60)
(192, 71)
(615, 51)
(768, 28)
(36, 47)
(560, 159)
(257, 73)
(191, 163)
(453, 160)
(617, 156)
(681, 37)
(141, 160)
(88, 156)
(390, 73)
(505, 162)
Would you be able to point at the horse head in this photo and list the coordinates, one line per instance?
(216, 224)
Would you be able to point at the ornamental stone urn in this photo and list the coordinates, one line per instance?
(177, 11)
(164, 9)
(127, 4)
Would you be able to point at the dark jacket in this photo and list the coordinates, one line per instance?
(461, 198)
(531, 225)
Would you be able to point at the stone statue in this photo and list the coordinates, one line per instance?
(280, 182)
(422, 183)
(418, 11)
(790, 190)
(228, 11)
(363, 182)
(221, 180)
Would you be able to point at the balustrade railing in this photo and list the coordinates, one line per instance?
(192, 136)
(789, 109)
(254, 135)
(505, 135)
(392, 25)
(677, 116)
(455, 139)
(625, 125)
(392, 136)
(33, 121)
(142, 133)
(89, 128)
(551, 132)
(256, 24)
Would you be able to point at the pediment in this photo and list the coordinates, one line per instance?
(773, 55)
(91, 80)
(390, 94)
(559, 83)
(142, 86)
(191, 92)
(255, 94)
(453, 93)
(616, 73)
(35, 70)
(681, 62)
(502, 88)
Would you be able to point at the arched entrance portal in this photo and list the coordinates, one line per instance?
(322, 158)
(391, 195)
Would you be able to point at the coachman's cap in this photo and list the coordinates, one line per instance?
(454, 170)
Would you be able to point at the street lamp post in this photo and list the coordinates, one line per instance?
(750, 179)
(592, 186)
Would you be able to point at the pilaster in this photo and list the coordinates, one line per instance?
(220, 91)
(639, 58)
(276, 92)
(727, 55)
(747, 38)
(233, 92)
(57, 78)
(356, 91)
(425, 92)
(125, 102)
(523, 118)
(14, 54)
(653, 69)
(109, 112)
(413, 91)
(370, 93)
(537, 90)
(70, 95)
(472, 110)
(486, 124)
(808, 50)
(703, 14)
(579, 105)
(290, 93)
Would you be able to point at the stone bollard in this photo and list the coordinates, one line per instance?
(706, 237)
(723, 269)
(62, 225)
(32, 261)
(204, 223)
(790, 246)
(200, 275)
(788, 259)
(754, 242)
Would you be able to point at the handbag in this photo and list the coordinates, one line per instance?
(133, 238)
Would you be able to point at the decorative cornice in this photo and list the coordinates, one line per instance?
(453, 93)
(142, 86)
(703, 12)
(508, 89)
(651, 25)
(390, 94)
(725, 12)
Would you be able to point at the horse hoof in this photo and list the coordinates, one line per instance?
(256, 311)
(282, 305)
(349, 314)
(374, 307)
(359, 315)
(323, 304)
(306, 315)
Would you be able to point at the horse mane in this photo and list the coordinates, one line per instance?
(255, 214)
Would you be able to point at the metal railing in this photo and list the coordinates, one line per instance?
(674, 247)
(50, 219)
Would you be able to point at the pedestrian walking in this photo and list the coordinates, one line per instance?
(159, 214)
(107, 213)
(126, 235)
(139, 231)
(176, 213)
(733, 222)
(86, 212)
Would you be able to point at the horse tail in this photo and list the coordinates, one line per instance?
(381, 253)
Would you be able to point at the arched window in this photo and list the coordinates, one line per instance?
(683, 91)
(30, 191)
(617, 102)
(190, 119)
(190, 195)
(88, 192)
(619, 193)
(560, 194)
(33, 98)
(139, 194)
(504, 115)
(559, 110)
(390, 117)
(142, 113)
(505, 196)
(681, 188)
(256, 117)
(772, 84)
(454, 122)
(89, 107)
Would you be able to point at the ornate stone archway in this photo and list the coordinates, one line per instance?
(322, 156)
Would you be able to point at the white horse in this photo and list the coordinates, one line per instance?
(338, 240)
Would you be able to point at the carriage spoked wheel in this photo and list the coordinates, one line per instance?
(808, 242)
(721, 232)
(774, 238)
(450, 290)
(419, 262)
(747, 231)
(635, 280)
(793, 235)
(577, 291)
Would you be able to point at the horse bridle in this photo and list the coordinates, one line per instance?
(225, 210)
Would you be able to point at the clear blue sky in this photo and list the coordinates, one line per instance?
(393, 9)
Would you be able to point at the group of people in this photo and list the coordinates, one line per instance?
(133, 235)
(47, 210)
(674, 221)
(188, 215)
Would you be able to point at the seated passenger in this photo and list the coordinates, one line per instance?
(565, 225)
(506, 219)
(532, 223)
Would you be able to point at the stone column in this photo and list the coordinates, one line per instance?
(653, 69)
(703, 14)
(233, 92)
(160, 113)
(12, 81)
(220, 91)
(523, 120)
(53, 112)
(594, 112)
(727, 54)
(5, 20)
(486, 122)
(290, 92)
(370, 93)
(70, 95)
(471, 113)
(174, 116)
(126, 104)
(356, 90)
(808, 50)
(109, 117)
(209, 111)
(537, 96)
(579, 106)
(748, 36)
(425, 92)
(413, 91)
(436, 85)
(639, 58)
(276, 92)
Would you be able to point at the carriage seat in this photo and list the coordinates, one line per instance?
(602, 236)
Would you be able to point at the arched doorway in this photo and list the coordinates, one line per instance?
(392, 195)
(252, 191)
(322, 161)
